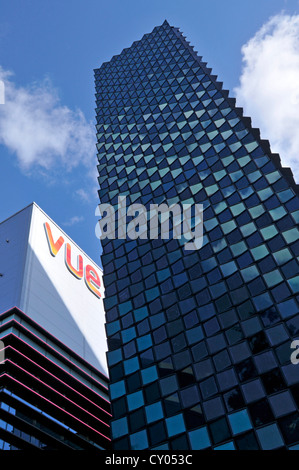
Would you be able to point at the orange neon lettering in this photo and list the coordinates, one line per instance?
(92, 280)
(54, 246)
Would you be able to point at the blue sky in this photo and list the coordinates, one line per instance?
(48, 50)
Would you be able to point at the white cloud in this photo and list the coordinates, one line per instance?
(73, 220)
(269, 86)
(83, 195)
(40, 131)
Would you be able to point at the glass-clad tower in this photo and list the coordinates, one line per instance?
(199, 341)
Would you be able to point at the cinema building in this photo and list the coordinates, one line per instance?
(53, 373)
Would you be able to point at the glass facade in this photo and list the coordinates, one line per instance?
(199, 341)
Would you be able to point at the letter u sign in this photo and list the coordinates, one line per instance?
(90, 274)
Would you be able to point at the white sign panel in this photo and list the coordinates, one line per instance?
(63, 290)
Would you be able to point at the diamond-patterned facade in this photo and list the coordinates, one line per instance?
(199, 341)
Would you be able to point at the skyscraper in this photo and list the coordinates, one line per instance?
(199, 341)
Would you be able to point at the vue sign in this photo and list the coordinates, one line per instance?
(91, 277)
